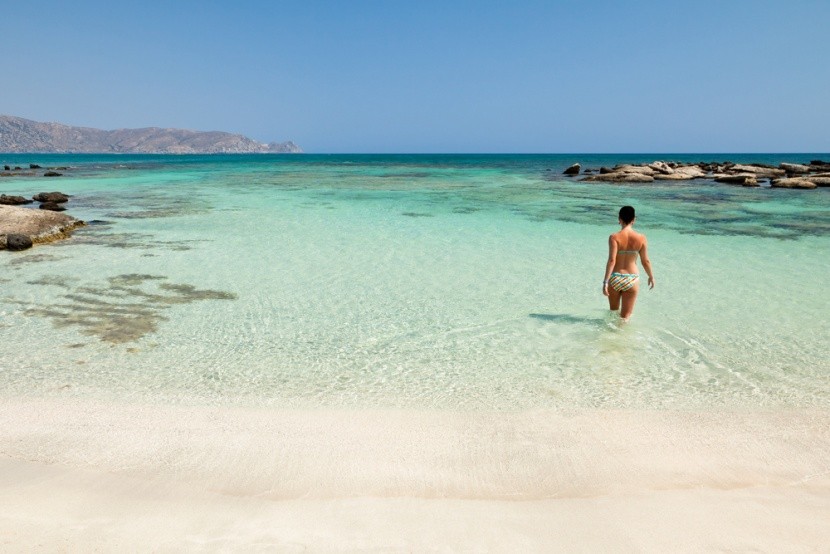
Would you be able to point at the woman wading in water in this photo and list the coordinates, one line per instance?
(621, 281)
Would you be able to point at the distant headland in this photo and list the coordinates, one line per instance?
(27, 136)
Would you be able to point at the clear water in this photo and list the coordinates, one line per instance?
(457, 282)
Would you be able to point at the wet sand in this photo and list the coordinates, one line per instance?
(77, 474)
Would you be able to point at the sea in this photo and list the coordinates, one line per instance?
(437, 282)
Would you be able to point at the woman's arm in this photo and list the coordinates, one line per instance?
(647, 262)
(609, 267)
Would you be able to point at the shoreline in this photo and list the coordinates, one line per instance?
(105, 471)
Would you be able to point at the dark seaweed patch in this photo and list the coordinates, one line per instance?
(33, 259)
(124, 310)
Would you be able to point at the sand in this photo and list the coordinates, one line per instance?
(84, 475)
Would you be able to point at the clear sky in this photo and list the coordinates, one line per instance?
(433, 76)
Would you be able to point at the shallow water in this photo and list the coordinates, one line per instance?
(469, 282)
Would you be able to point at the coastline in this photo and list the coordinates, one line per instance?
(87, 474)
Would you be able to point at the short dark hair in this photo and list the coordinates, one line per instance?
(627, 214)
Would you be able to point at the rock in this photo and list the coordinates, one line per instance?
(16, 242)
(640, 169)
(819, 162)
(38, 225)
(3, 242)
(588, 171)
(672, 177)
(794, 168)
(693, 171)
(604, 169)
(820, 181)
(54, 206)
(758, 170)
(34, 166)
(793, 184)
(573, 170)
(661, 167)
(52, 174)
(741, 179)
(618, 177)
(17, 168)
(7, 168)
(57, 197)
(13, 200)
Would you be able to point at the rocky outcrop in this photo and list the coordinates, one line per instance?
(38, 225)
(746, 180)
(793, 183)
(621, 177)
(57, 197)
(795, 168)
(759, 171)
(672, 177)
(786, 175)
(23, 135)
(573, 170)
(13, 200)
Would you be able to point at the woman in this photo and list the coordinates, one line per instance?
(622, 282)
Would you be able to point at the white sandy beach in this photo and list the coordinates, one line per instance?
(78, 475)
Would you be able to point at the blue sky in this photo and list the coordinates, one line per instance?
(425, 76)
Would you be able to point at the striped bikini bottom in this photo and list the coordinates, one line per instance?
(622, 282)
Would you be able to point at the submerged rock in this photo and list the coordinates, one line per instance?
(573, 170)
(54, 206)
(52, 174)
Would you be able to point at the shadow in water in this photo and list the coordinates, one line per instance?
(568, 318)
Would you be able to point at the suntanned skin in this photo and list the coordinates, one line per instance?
(626, 239)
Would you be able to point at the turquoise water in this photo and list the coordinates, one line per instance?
(468, 282)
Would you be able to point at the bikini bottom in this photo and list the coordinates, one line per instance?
(622, 282)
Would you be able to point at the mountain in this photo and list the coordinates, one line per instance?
(24, 135)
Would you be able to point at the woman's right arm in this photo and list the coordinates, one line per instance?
(647, 262)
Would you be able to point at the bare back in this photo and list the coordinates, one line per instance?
(624, 247)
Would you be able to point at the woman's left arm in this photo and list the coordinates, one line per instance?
(609, 267)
